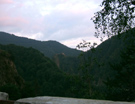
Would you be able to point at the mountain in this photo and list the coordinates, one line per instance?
(105, 53)
(97, 62)
(48, 48)
(42, 76)
(100, 59)
(61, 76)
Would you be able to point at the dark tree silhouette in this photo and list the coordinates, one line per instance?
(116, 16)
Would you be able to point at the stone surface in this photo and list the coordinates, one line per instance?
(60, 100)
(3, 96)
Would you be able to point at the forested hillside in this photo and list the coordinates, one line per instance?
(111, 66)
(42, 76)
(10, 80)
(67, 64)
(107, 52)
(8, 72)
(48, 48)
(97, 62)
(85, 76)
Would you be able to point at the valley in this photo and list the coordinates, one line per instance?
(52, 69)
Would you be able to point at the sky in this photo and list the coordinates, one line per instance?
(66, 21)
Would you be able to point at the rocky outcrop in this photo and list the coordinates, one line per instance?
(4, 99)
(60, 100)
(8, 72)
(56, 60)
(3, 96)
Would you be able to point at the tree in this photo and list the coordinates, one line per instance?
(116, 17)
(12, 90)
(122, 86)
(86, 61)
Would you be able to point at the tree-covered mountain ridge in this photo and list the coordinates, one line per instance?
(48, 48)
(105, 54)
(45, 78)
(98, 59)
(41, 75)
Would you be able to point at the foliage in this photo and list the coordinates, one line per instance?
(85, 69)
(12, 90)
(42, 76)
(123, 84)
(116, 16)
(85, 46)
(95, 64)
(28, 90)
(8, 72)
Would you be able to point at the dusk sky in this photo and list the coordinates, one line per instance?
(66, 21)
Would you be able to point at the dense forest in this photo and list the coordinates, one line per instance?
(41, 75)
(90, 75)
(93, 74)
(30, 68)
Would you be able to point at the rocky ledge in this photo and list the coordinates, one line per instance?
(61, 100)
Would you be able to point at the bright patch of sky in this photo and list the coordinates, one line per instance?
(66, 21)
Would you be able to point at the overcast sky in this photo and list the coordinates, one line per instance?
(66, 21)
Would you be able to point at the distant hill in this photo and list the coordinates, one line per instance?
(48, 48)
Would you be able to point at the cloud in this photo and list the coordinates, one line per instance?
(75, 41)
(6, 2)
(62, 26)
(59, 20)
(12, 21)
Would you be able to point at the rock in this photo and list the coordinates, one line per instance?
(60, 100)
(3, 96)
